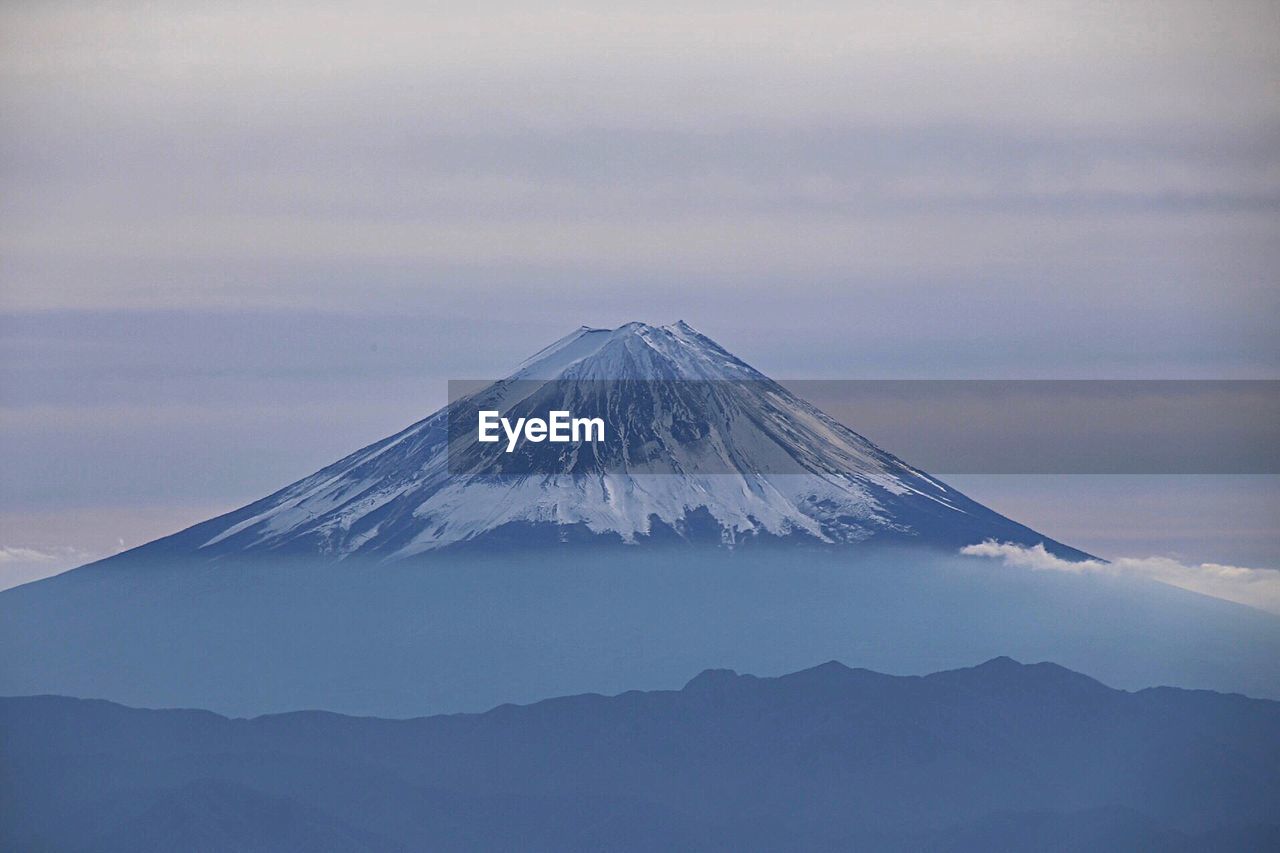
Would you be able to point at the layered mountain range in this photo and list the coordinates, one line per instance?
(1002, 756)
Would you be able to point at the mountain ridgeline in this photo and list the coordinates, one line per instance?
(1002, 756)
(702, 448)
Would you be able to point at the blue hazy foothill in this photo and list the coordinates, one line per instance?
(467, 631)
(999, 756)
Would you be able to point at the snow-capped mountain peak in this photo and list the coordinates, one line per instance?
(706, 448)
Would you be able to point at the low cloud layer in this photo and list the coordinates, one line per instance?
(20, 564)
(1258, 588)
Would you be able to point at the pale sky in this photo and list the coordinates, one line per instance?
(240, 240)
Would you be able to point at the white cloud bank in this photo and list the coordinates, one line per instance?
(1258, 588)
(20, 564)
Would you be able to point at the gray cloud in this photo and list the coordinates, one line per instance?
(20, 564)
(1108, 149)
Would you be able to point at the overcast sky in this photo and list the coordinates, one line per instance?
(237, 241)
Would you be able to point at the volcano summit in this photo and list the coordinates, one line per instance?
(703, 448)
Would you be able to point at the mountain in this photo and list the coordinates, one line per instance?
(704, 448)
(424, 575)
(999, 756)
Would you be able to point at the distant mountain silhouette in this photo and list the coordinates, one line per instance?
(999, 756)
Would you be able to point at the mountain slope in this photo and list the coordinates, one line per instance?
(706, 449)
(998, 756)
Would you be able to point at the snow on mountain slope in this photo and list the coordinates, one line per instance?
(720, 453)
